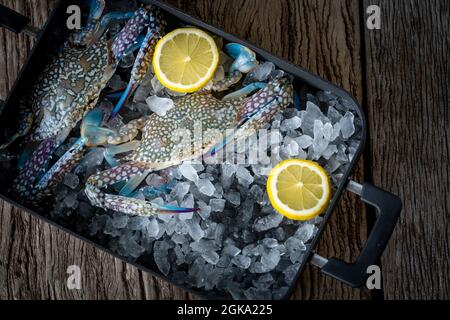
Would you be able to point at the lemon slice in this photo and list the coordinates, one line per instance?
(185, 60)
(299, 189)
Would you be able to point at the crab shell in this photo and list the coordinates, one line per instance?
(214, 118)
(69, 87)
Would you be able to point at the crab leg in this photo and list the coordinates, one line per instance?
(24, 184)
(143, 59)
(65, 164)
(91, 135)
(131, 206)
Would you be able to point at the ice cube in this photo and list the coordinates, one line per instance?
(228, 171)
(157, 86)
(336, 131)
(204, 245)
(294, 244)
(205, 210)
(94, 157)
(270, 243)
(304, 141)
(334, 115)
(97, 224)
(160, 106)
(175, 94)
(242, 262)
(329, 152)
(348, 125)
(268, 222)
(233, 197)
(110, 229)
(263, 71)
(217, 205)
(271, 259)
(231, 250)
(119, 220)
(291, 124)
(130, 247)
(305, 232)
(194, 229)
(211, 257)
(275, 137)
(326, 96)
(332, 165)
(138, 223)
(70, 201)
(219, 190)
(141, 94)
(152, 228)
(244, 177)
(327, 132)
(310, 116)
(160, 254)
(181, 190)
(320, 142)
(219, 233)
(292, 149)
(188, 171)
(179, 238)
(206, 187)
(71, 180)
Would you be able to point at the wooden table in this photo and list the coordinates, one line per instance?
(401, 76)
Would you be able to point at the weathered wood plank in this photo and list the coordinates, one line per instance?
(408, 80)
(322, 36)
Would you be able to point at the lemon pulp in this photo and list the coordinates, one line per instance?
(185, 60)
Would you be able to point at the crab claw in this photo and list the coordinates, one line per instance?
(91, 132)
(244, 58)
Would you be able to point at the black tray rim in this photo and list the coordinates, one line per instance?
(302, 74)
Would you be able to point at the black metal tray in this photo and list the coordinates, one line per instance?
(388, 206)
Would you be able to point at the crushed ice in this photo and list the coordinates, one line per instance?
(237, 244)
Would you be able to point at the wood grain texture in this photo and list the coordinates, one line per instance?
(322, 36)
(408, 99)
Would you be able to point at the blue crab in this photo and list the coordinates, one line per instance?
(71, 84)
(158, 150)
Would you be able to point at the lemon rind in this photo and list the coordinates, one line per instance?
(299, 215)
(178, 87)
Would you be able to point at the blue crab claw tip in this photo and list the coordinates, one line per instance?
(169, 209)
(234, 50)
(244, 58)
(125, 96)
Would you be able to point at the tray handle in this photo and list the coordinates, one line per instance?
(16, 22)
(388, 207)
